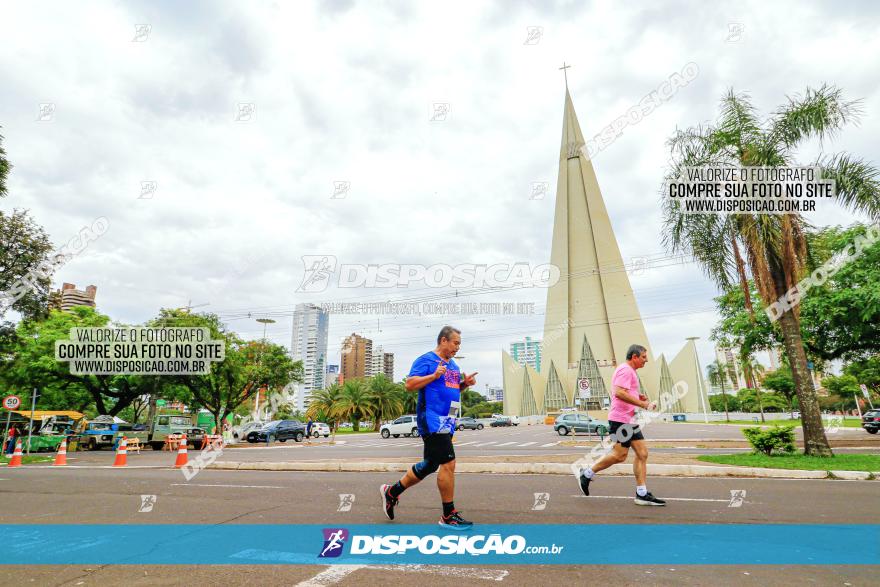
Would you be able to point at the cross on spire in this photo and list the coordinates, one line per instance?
(564, 68)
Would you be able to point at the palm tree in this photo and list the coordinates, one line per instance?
(323, 405)
(717, 372)
(774, 244)
(752, 369)
(354, 403)
(408, 399)
(385, 399)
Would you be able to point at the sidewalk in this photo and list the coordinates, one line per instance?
(544, 466)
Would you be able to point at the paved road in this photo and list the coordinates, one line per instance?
(490, 442)
(34, 495)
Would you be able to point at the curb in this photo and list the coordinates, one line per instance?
(547, 469)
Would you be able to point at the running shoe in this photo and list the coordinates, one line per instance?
(388, 502)
(584, 483)
(454, 521)
(649, 499)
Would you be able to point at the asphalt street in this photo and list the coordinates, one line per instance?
(40, 495)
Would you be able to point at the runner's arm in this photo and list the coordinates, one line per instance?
(415, 383)
(624, 396)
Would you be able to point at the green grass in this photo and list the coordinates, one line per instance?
(28, 459)
(841, 462)
(350, 431)
(852, 422)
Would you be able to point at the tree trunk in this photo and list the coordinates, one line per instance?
(743, 279)
(724, 395)
(815, 441)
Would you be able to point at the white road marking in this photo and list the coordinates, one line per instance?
(506, 444)
(665, 498)
(330, 575)
(549, 444)
(528, 443)
(486, 443)
(225, 485)
(466, 443)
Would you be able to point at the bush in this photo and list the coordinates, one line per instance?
(766, 440)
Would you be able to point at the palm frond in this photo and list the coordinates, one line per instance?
(857, 182)
(819, 113)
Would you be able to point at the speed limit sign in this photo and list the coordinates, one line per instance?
(11, 402)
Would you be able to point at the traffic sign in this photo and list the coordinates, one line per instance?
(11, 402)
(584, 390)
(160, 402)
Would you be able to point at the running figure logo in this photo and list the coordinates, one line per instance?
(147, 503)
(318, 269)
(737, 497)
(334, 541)
(541, 500)
(346, 500)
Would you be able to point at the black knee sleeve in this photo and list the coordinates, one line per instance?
(425, 468)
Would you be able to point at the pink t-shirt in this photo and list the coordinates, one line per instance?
(625, 377)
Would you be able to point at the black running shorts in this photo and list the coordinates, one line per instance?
(625, 433)
(438, 448)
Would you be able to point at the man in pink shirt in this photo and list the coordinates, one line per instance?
(625, 398)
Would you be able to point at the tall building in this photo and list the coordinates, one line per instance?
(494, 394)
(381, 362)
(735, 379)
(591, 316)
(527, 352)
(68, 296)
(357, 357)
(332, 375)
(309, 345)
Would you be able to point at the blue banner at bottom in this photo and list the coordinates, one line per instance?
(523, 544)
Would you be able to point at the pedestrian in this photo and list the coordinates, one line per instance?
(438, 381)
(10, 443)
(309, 428)
(626, 396)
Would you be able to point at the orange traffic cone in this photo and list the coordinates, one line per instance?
(61, 457)
(181, 452)
(121, 453)
(15, 461)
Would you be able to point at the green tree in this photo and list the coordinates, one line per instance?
(717, 373)
(718, 403)
(752, 400)
(775, 245)
(781, 382)
(322, 407)
(247, 366)
(26, 265)
(866, 371)
(385, 399)
(354, 403)
(33, 364)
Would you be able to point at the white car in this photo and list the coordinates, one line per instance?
(241, 432)
(320, 429)
(405, 425)
(514, 420)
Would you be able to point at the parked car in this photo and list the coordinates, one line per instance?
(469, 423)
(240, 432)
(281, 430)
(405, 425)
(502, 421)
(514, 420)
(320, 429)
(871, 421)
(568, 423)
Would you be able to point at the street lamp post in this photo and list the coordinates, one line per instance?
(265, 322)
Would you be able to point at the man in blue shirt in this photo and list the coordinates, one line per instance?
(439, 382)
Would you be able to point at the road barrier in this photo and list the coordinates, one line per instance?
(61, 456)
(15, 461)
(181, 452)
(121, 453)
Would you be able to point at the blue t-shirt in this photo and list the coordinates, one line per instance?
(435, 399)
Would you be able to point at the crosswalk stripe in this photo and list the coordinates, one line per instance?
(506, 443)
(486, 443)
(466, 443)
(528, 443)
(549, 444)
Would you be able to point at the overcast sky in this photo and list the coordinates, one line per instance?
(346, 92)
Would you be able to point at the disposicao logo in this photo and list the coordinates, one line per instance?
(334, 542)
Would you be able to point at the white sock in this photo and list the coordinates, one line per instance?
(588, 472)
(641, 490)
